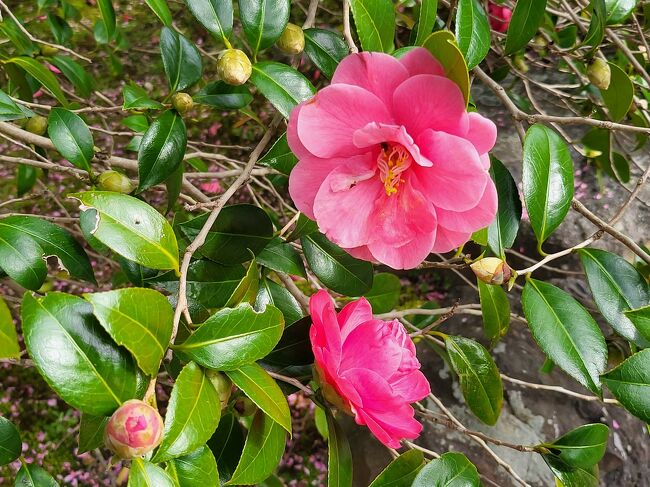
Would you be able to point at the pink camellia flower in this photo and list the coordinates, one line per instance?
(134, 429)
(391, 164)
(367, 367)
(499, 17)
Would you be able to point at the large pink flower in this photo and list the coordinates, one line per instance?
(370, 365)
(391, 164)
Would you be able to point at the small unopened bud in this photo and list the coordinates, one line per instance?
(48, 50)
(245, 406)
(492, 270)
(222, 384)
(134, 429)
(292, 40)
(182, 102)
(540, 41)
(234, 67)
(521, 64)
(600, 74)
(36, 125)
(115, 181)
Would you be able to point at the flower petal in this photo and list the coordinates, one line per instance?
(325, 332)
(448, 240)
(482, 132)
(295, 145)
(421, 61)
(413, 386)
(306, 179)
(475, 218)
(369, 340)
(353, 314)
(375, 133)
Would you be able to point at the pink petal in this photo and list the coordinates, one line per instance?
(407, 256)
(328, 121)
(325, 331)
(376, 133)
(482, 132)
(292, 133)
(448, 240)
(366, 341)
(413, 386)
(474, 219)
(353, 314)
(390, 432)
(485, 161)
(421, 61)
(361, 253)
(376, 72)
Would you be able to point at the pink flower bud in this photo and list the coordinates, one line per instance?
(134, 429)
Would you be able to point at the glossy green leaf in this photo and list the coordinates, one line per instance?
(9, 347)
(238, 231)
(135, 273)
(43, 75)
(502, 232)
(597, 23)
(278, 296)
(547, 180)
(619, 10)
(496, 311)
(294, 348)
(336, 269)
(215, 15)
(138, 319)
(385, 292)
(192, 414)
(91, 432)
(619, 96)
(174, 186)
(227, 444)
(21, 258)
(326, 49)
(304, 226)
(221, 95)
(146, 474)
(71, 137)
(339, 455)
(582, 447)
(10, 443)
(280, 157)
(96, 376)
(375, 23)
(198, 469)
(479, 377)
(25, 178)
(131, 228)
(401, 472)
(10, 110)
(617, 286)
(442, 44)
(247, 288)
(566, 333)
(13, 32)
(640, 318)
(31, 475)
(263, 21)
(426, 20)
(452, 469)
(282, 257)
(60, 29)
(472, 31)
(181, 60)
(569, 476)
(262, 389)
(75, 73)
(630, 384)
(162, 149)
(160, 8)
(108, 16)
(137, 123)
(136, 98)
(282, 85)
(526, 19)
(234, 337)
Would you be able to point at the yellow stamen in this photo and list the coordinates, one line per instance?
(392, 162)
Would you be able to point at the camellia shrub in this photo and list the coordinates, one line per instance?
(207, 207)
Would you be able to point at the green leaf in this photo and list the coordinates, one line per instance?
(71, 137)
(496, 311)
(450, 470)
(619, 10)
(326, 49)
(181, 60)
(596, 30)
(10, 443)
(145, 474)
(502, 232)
(234, 337)
(262, 389)
(442, 45)
(479, 377)
(96, 376)
(21, 258)
(160, 8)
(280, 157)
(215, 15)
(161, 150)
(282, 257)
(582, 447)
(339, 456)
(174, 185)
(526, 19)
(60, 29)
(278, 296)
(547, 179)
(572, 476)
(10, 110)
(25, 178)
(263, 21)
(282, 85)
(108, 16)
(137, 123)
(426, 20)
(131, 228)
(75, 73)
(136, 98)
(12, 31)
(336, 269)
(375, 23)
(43, 75)
(640, 318)
(384, 294)
(294, 348)
(565, 332)
(262, 452)
(238, 231)
(401, 472)
(91, 432)
(617, 286)
(247, 288)
(31, 475)
(472, 31)
(198, 469)
(619, 96)
(227, 444)
(192, 415)
(9, 347)
(304, 226)
(221, 95)
(138, 319)
(630, 384)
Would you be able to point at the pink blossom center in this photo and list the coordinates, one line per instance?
(393, 161)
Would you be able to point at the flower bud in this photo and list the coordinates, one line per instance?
(292, 40)
(134, 429)
(48, 50)
(521, 64)
(600, 74)
(36, 125)
(222, 384)
(492, 270)
(234, 67)
(182, 102)
(115, 181)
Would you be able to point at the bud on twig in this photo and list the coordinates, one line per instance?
(492, 270)
(182, 102)
(134, 429)
(115, 181)
(48, 50)
(600, 74)
(234, 67)
(292, 40)
(36, 125)
(222, 384)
